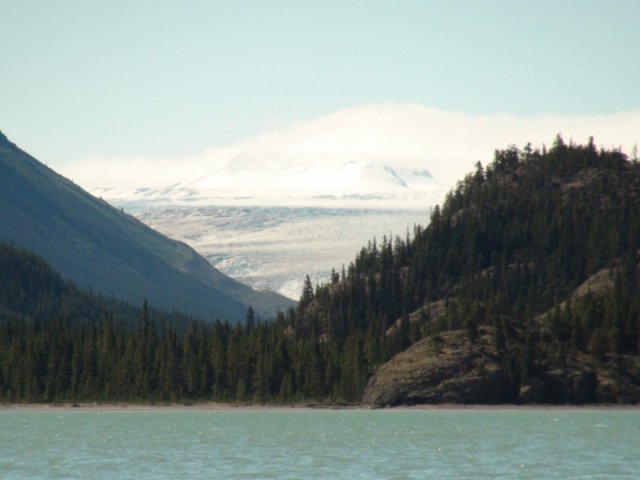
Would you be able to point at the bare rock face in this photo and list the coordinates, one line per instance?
(446, 368)
(440, 369)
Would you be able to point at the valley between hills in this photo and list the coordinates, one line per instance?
(522, 288)
(274, 248)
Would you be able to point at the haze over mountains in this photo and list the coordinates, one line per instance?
(345, 160)
(403, 137)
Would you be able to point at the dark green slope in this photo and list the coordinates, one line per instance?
(31, 289)
(527, 278)
(28, 286)
(104, 250)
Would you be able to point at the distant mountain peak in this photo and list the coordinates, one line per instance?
(4, 139)
(422, 173)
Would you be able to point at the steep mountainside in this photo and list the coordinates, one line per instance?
(31, 289)
(102, 249)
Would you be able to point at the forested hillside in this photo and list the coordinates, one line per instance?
(505, 255)
(31, 289)
(524, 287)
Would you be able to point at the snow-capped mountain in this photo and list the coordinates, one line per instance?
(295, 175)
(370, 149)
(411, 137)
(269, 223)
(263, 171)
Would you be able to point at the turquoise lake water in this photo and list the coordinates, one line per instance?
(319, 444)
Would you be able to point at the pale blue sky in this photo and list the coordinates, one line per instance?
(115, 78)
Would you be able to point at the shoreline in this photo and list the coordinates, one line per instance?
(222, 406)
(199, 406)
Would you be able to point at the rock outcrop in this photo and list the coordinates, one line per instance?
(443, 368)
(447, 369)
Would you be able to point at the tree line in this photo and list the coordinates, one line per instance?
(113, 360)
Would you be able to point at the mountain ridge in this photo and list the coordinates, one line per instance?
(103, 249)
(332, 182)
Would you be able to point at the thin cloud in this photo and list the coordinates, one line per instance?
(447, 144)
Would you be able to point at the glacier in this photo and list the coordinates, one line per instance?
(299, 201)
(275, 247)
(268, 223)
(280, 222)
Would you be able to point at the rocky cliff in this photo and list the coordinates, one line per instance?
(446, 369)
